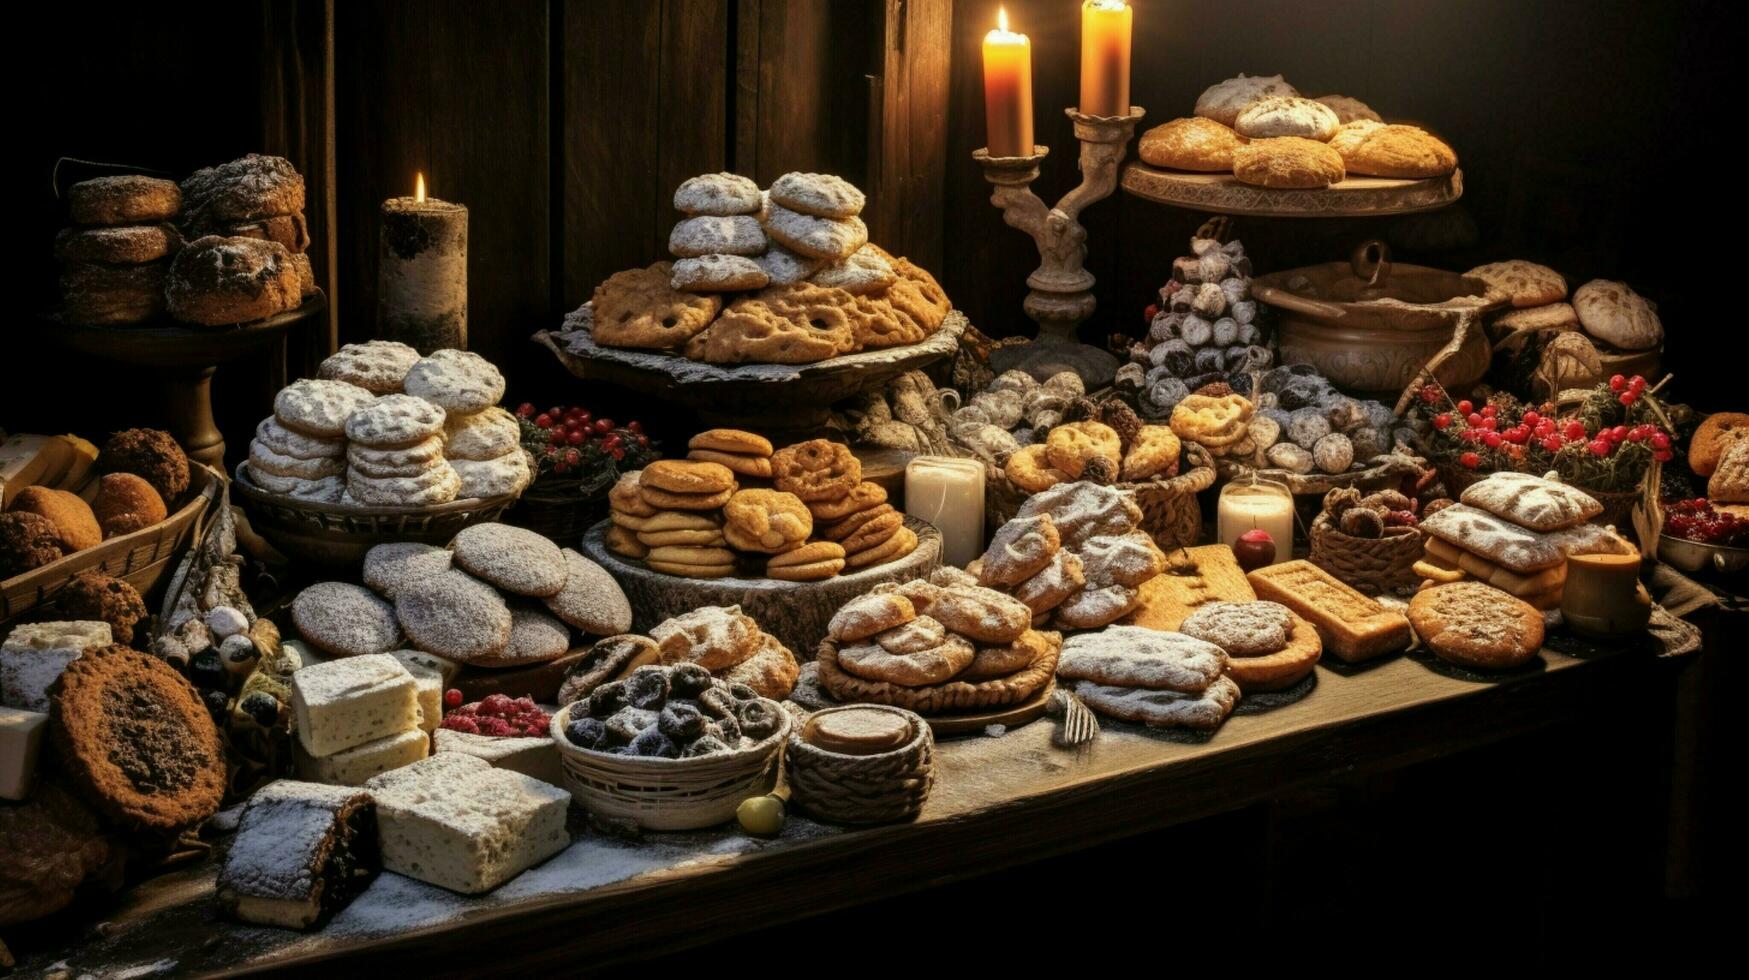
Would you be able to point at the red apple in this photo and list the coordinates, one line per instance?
(1254, 549)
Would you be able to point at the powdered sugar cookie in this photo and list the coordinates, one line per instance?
(456, 616)
(1121, 559)
(936, 665)
(377, 365)
(327, 490)
(1083, 510)
(403, 461)
(823, 195)
(868, 614)
(345, 620)
(319, 408)
(394, 420)
(486, 434)
(981, 614)
(508, 474)
(714, 637)
(1243, 629)
(865, 271)
(1202, 711)
(921, 633)
(264, 460)
(784, 267)
(1095, 606)
(1223, 101)
(719, 194)
(535, 637)
(1008, 658)
(1054, 584)
(718, 274)
(771, 672)
(820, 238)
(397, 566)
(438, 485)
(456, 381)
(512, 558)
(286, 442)
(1020, 549)
(591, 600)
(737, 235)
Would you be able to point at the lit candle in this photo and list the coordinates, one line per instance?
(1007, 90)
(1105, 58)
(422, 272)
(1260, 504)
(949, 493)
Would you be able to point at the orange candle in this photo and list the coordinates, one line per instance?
(1105, 58)
(1007, 90)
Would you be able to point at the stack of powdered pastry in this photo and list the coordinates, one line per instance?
(729, 644)
(1073, 555)
(936, 647)
(1514, 531)
(1158, 678)
(246, 257)
(1260, 129)
(115, 255)
(693, 518)
(382, 426)
(1206, 328)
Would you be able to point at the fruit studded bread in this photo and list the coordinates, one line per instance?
(1533, 502)
(1194, 577)
(1518, 549)
(1351, 625)
(302, 852)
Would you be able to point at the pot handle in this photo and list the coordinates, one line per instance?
(1371, 261)
(1287, 300)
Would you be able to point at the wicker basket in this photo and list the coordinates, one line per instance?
(1372, 565)
(1171, 513)
(340, 534)
(889, 787)
(556, 507)
(669, 794)
(143, 558)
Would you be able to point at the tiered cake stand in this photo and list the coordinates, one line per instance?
(1356, 197)
(185, 358)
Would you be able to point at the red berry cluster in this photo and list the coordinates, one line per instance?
(498, 715)
(1697, 520)
(1517, 439)
(562, 435)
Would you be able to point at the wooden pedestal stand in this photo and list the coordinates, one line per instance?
(1061, 296)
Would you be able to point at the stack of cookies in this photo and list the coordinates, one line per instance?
(115, 257)
(1536, 297)
(936, 649)
(1514, 531)
(382, 426)
(693, 518)
(1102, 443)
(257, 196)
(1073, 555)
(1015, 409)
(1261, 130)
(716, 244)
(1158, 678)
(1207, 328)
(729, 644)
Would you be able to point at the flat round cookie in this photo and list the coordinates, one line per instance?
(535, 638)
(394, 567)
(865, 271)
(819, 238)
(737, 235)
(124, 245)
(823, 195)
(857, 730)
(455, 615)
(591, 600)
(263, 460)
(921, 633)
(871, 661)
(771, 672)
(1525, 284)
(718, 194)
(287, 442)
(981, 614)
(96, 294)
(319, 408)
(456, 381)
(686, 476)
(718, 274)
(438, 485)
(784, 267)
(641, 308)
(1061, 578)
(514, 559)
(252, 186)
(1477, 625)
(864, 496)
(1243, 629)
(868, 614)
(400, 461)
(992, 662)
(507, 475)
(766, 521)
(378, 366)
(394, 420)
(345, 620)
(487, 434)
(124, 199)
(1194, 143)
(1282, 669)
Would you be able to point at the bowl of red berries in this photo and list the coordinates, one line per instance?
(578, 457)
(1697, 534)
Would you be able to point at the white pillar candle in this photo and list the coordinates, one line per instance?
(949, 493)
(1262, 504)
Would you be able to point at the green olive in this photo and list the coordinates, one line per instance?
(762, 815)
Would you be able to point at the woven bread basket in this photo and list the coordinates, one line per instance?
(888, 787)
(669, 794)
(1372, 565)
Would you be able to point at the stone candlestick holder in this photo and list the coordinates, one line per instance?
(1061, 294)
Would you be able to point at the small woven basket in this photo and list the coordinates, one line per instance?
(1171, 513)
(669, 794)
(556, 507)
(889, 787)
(1372, 565)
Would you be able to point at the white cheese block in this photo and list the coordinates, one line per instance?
(351, 767)
(348, 702)
(456, 822)
(21, 739)
(537, 757)
(35, 654)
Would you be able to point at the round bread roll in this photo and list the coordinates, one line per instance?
(1223, 101)
(1287, 162)
(1279, 115)
(219, 281)
(1349, 109)
(1405, 152)
(1193, 143)
(1615, 314)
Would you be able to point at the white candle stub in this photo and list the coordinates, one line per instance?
(949, 493)
(1246, 506)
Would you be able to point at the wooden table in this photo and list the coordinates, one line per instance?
(998, 802)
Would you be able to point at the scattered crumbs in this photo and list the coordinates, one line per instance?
(145, 970)
(995, 731)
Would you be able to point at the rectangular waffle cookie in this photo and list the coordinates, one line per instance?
(1352, 626)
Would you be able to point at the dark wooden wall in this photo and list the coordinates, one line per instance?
(1576, 122)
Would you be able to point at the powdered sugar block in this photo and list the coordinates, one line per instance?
(537, 757)
(430, 678)
(302, 852)
(21, 737)
(456, 822)
(347, 702)
(351, 767)
(34, 655)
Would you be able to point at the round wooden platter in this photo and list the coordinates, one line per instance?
(170, 343)
(794, 612)
(778, 394)
(1356, 197)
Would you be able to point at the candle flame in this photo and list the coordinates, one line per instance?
(1002, 18)
(419, 187)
